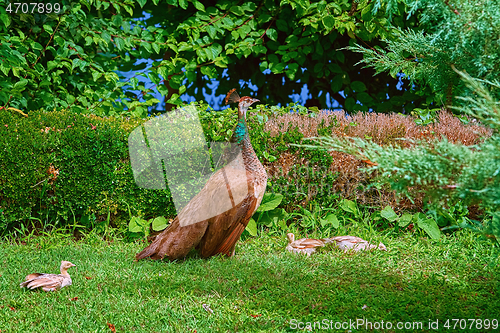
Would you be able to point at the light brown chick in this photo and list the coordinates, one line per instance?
(303, 245)
(348, 243)
(49, 282)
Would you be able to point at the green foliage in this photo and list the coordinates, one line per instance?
(74, 59)
(91, 184)
(140, 225)
(452, 34)
(268, 214)
(425, 116)
(426, 224)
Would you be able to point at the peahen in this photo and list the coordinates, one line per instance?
(245, 180)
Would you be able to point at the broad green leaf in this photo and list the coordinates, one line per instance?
(281, 25)
(272, 34)
(349, 206)
(336, 84)
(405, 220)
(212, 32)
(292, 69)
(106, 36)
(70, 99)
(335, 68)
(237, 10)
(159, 223)
(272, 217)
(278, 68)
(19, 85)
(4, 17)
(156, 47)
(118, 20)
(183, 4)
(389, 214)
(213, 51)
(349, 103)
(147, 46)
(5, 69)
(263, 66)
(340, 56)
(358, 86)
(430, 227)
(96, 75)
(328, 21)
(252, 227)
(272, 59)
(199, 6)
(120, 43)
(162, 89)
(142, 2)
(135, 225)
(48, 28)
(317, 68)
(228, 22)
(249, 6)
(270, 202)
(259, 49)
(364, 98)
(330, 219)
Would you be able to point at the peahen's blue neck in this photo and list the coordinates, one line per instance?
(240, 135)
(241, 132)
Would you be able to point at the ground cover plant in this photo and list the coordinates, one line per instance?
(262, 288)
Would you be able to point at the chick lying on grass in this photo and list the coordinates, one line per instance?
(346, 243)
(49, 282)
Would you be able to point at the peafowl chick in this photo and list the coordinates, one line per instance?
(49, 282)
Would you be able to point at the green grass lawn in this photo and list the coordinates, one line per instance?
(261, 289)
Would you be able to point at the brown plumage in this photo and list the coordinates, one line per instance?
(49, 282)
(352, 243)
(242, 182)
(304, 245)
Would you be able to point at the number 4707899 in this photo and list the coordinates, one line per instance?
(471, 323)
(33, 7)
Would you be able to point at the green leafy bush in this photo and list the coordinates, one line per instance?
(73, 59)
(64, 167)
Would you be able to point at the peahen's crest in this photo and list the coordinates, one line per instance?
(232, 96)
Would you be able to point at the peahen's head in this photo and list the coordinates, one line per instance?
(243, 105)
(243, 102)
